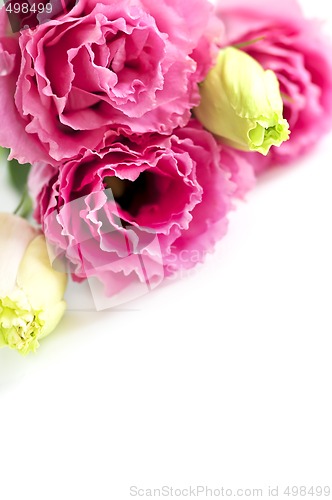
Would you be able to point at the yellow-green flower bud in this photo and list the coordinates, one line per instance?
(241, 103)
(31, 292)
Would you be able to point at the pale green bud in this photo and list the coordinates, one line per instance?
(241, 103)
(31, 292)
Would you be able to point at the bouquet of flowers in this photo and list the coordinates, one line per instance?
(141, 123)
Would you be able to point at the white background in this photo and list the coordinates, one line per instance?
(221, 379)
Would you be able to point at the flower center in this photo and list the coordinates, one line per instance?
(131, 196)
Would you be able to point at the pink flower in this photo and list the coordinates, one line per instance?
(171, 197)
(12, 130)
(295, 49)
(130, 66)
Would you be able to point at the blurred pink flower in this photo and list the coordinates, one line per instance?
(177, 189)
(131, 66)
(296, 50)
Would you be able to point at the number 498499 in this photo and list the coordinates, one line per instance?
(303, 491)
(26, 8)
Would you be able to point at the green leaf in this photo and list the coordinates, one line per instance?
(18, 174)
(25, 206)
(4, 152)
(248, 43)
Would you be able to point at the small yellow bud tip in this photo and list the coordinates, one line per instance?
(262, 139)
(20, 324)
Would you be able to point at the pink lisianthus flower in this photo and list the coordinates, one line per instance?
(130, 66)
(12, 129)
(102, 209)
(295, 49)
